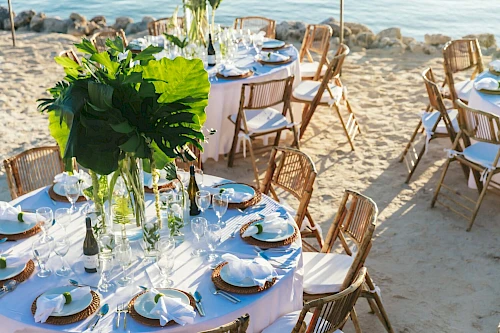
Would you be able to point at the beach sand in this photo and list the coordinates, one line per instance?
(434, 276)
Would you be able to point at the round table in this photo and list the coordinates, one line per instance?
(190, 274)
(224, 98)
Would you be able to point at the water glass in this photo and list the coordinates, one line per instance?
(258, 42)
(165, 262)
(42, 248)
(203, 200)
(61, 248)
(213, 237)
(198, 226)
(72, 190)
(220, 203)
(105, 268)
(45, 216)
(62, 216)
(123, 254)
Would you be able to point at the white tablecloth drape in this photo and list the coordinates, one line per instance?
(190, 274)
(225, 95)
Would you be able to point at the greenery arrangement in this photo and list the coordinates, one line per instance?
(214, 4)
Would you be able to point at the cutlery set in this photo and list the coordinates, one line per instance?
(121, 308)
(95, 320)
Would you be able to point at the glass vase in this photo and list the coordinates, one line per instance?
(176, 216)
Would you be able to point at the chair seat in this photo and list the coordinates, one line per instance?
(263, 120)
(463, 89)
(286, 323)
(429, 119)
(307, 90)
(324, 273)
(309, 69)
(482, 153)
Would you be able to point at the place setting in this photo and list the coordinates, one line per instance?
(16, 224)
(70, 188)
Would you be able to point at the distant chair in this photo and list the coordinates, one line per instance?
(461, 55)
(69, 53)
(316, 41)
(32, 169)
(256, 24)
(239, 325)
(99, 39)
(160, 26)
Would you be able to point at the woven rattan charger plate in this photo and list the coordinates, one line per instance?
(163, 188)
(154, 322)
(221, 284)
(65, 320)
(245, 204)
(262, 244)
(23, 276)
(26, 234)
(54, 196)
(275, 63)
(494, 72)
(234, 77)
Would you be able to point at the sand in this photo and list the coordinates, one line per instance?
(434, 276)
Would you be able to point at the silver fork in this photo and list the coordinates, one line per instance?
(118, 313)
(125, 311)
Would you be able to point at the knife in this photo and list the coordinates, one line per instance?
(197, 297)
(198, 306)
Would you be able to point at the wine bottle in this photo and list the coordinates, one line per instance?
(90, 249)
(192, 189)
(211, 52)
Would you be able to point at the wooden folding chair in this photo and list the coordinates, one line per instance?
(257, 116)
(316, 41)
(436, 122)
(294, 172)
(160, 26)
(240, 325)
(69, 53)
(461, 55)
(99, 39)
(326, 314)
(32, 169)
(327, 273)
(326, 93)
(481, 156)
(256, 24)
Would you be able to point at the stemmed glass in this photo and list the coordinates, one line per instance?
(165, 260)
(198, 226)
(45, 216)
(105, 268)
(62, 216)
(124, 256)
(72, 190)
(203, 200)
(42, 248)
(212, 236)
(220, 203)
(258, 42)
(61, 248)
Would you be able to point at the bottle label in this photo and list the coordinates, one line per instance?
(211, 60)
(90, 262)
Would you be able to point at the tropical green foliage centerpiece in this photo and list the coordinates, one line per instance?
(119, 112)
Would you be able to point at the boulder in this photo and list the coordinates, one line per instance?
(51, 24)
(335, 41)
(133, 28)
(365, 39)
(99, 20)
(357, 28)
(78, 29)
(4, 14)
(436, 39)
(430, 49)
(415, 47)
(396, 46)
(408, 40)
(336, 27)
(75, 17)
(6, 24)
(92, 27)
(122, 22)
(36, 23)
(290, 30)
(389, 33)
(23, 18)
(485, 40)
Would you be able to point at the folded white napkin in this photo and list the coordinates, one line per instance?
(169, 308)
(11, 214)
(81, 176)
(257, 270)
(487, 83)
(148, 178)
(123, 55)
(272, 223)
(273, 56)
(48, 304)
(495, 65)
(232, 70)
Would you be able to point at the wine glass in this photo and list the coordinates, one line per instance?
(62, 216)
(42, 248)
(165, 262)
(72, 191)
(61, 248)
(45, 216)
(258, 42)
(198, 226)
(203, 200)
(212, 236)
(105, 268)
(220, 203)
(124, 256)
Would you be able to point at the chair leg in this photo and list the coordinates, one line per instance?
(254, 163)
(479, 201)
(277, 139)
(348, 106)
(315, 231)
(296, 142)
(355, 321)
(306, 118)
(441, 180)
(234, 145)
(412, 139)
(412, 171)
(380, 306)
(343, 126)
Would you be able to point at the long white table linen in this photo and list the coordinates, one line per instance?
(189, 274)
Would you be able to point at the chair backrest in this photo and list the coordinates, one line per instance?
(239, 325)
(32, 169)
(69, 53)
(331, 312)
(265, 94)
(316, 40)
(294, 172)
(256, 24)
(99, 39)
(479, 125)
(161, 26)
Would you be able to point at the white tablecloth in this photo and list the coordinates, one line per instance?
(225, 95)
(190, 274)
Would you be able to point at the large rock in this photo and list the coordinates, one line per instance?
(415, 47)
(23, 18)
(485, 40)
(357, 28)
(408, 40)
(77, 29)
(133, 28)
(51, 24)
(436, 39)
(4, 15)
(430, 49)
(389, 33)
(290, 30)
(6, 24)
(36, 23)
(75, 17)
(92, 27)
(99, 20)
(122, 22)
(365, 39)
(332, 22)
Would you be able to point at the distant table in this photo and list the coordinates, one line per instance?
(190, 274)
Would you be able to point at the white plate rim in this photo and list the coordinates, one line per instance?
(224, 274)
(53, 291)
(141, 298)
(230, 200)
(4, 232)
(274, 240)
(280, 43)
(11, 275)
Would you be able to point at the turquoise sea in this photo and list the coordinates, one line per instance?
(415, 17)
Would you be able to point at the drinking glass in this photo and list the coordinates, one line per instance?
(212, 236)
(198, 226)
(42, 248)
(72, 190)
(258, 42)
(220, 203)
(62, 216)
(203, 200)
(123, 254)
(105, 268)
(165, 262)
(61, 248)
(45, 216)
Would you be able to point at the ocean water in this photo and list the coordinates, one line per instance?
(454, 18)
